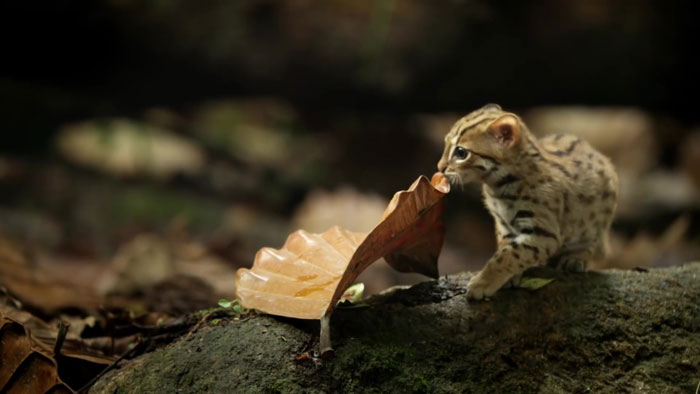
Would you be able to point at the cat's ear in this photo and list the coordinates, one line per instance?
(506, 130)
(492, 106)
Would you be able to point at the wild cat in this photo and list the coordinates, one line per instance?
(552, 199)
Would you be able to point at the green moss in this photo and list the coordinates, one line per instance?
(570, 336)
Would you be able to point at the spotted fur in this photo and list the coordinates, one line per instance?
(552, 199)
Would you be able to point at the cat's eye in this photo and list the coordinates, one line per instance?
(460, 153)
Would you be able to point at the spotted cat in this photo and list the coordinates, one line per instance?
(552, 199)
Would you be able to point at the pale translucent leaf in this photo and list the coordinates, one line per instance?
(308, 275)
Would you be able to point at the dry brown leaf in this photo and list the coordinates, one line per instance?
(23, 369)
(40, 288)
(27, 365)
(307, 277)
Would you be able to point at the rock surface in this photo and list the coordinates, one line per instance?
(602, 332)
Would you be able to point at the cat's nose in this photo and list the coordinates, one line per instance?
(442, 165)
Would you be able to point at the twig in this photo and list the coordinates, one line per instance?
(325, 337)
(199, 324)
(154, 332)
(180, 324)
(62, 331)
(216, 312)
(108, 368)
(697, 389)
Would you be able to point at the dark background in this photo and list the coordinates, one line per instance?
(70, 60)
(347, 87)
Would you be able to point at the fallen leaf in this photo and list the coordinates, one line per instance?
(534, 283)
(306, 356)
(24, 369)
(353, 294)
(28, 363)
(306, 278)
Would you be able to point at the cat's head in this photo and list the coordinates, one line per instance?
(478, 142)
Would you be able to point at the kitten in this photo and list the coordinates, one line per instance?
(552, 199)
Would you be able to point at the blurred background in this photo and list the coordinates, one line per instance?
(150, 148)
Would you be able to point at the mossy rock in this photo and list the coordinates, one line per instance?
(598, 332)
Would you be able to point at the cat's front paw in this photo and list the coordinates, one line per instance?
(572, 264)
(479, 288)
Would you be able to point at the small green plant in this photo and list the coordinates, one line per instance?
(234, 305)
(534, 283)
